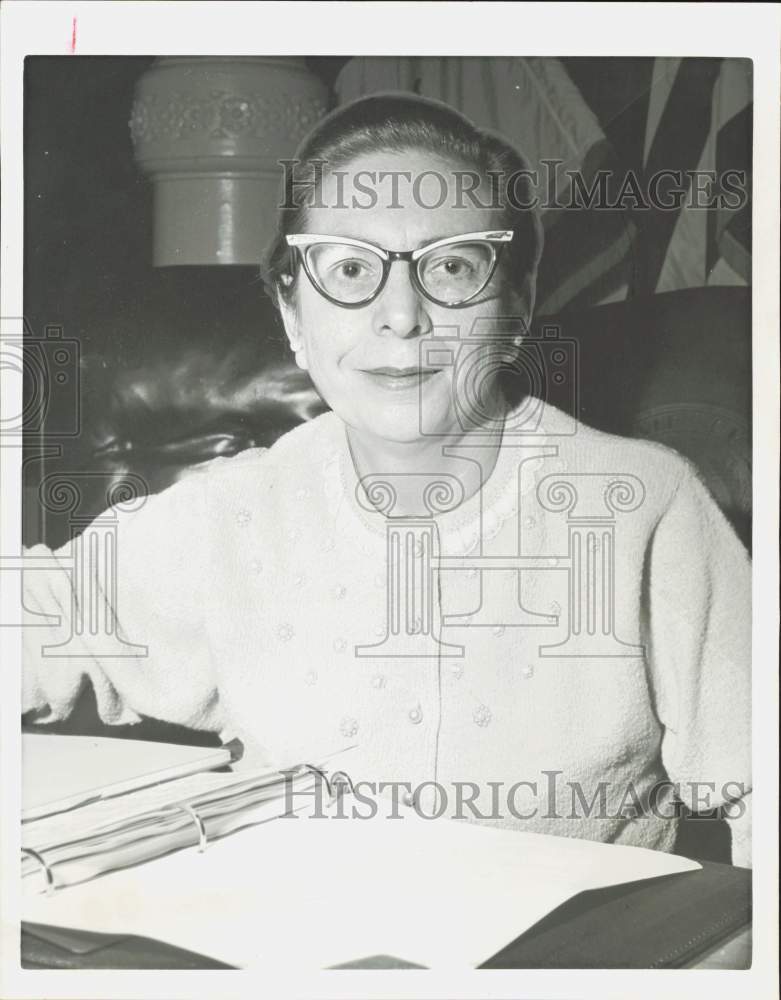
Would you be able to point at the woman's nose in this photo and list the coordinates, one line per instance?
(400, 310)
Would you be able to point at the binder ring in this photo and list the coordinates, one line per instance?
(47, 872)
(337, 778)
(322, 774)
(343, 778)
(203, 840)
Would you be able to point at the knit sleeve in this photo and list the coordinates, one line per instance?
(699, 645)
(124, 610)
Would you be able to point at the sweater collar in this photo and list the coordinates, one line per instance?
(482, 515)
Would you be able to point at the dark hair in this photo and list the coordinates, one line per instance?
(399, 123)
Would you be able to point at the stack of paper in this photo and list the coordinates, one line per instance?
(314, 888)
(311, 893)
(74, 828)
(63, 772)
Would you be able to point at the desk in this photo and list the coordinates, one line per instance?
(699, 919)
(734, 953)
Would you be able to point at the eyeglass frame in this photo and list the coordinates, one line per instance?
(496, 239)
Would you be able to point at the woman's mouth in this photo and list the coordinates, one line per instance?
(400, 379)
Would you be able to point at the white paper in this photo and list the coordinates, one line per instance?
(61, 772)
(311, 893)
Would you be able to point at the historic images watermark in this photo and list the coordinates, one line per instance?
(337, 796)
(665, 190)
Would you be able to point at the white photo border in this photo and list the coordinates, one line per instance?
(485, 29)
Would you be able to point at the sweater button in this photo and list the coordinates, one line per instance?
(348, 726)
(482, 715)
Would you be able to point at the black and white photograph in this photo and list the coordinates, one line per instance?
(423, 625)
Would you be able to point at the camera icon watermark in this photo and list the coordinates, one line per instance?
(499, 355)
(50, 380)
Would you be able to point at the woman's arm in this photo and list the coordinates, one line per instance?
(153, 584)
(699, 645)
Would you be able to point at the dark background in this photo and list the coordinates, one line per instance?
(88, 209)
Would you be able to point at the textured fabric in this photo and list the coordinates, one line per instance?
(259, 583)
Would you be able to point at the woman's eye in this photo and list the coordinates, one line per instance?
(454, 266)
(351, 269)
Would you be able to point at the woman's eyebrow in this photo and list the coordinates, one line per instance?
(373, 242)
(350, 236)
(445, 236)
(432, 239)
(435, 239)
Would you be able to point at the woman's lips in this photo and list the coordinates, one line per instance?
(400, 379)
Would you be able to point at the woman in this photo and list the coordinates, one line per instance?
(541, 625)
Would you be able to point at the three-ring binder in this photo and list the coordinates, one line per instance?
(338, 780)
(150, 833)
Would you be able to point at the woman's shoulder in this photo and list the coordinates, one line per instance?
(292, 452)
(586, 450)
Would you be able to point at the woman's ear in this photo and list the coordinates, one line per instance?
(292, 329)
(520, 304)
(527, 297)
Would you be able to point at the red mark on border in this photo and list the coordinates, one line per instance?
(73, 38)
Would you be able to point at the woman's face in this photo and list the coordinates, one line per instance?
(372, 364)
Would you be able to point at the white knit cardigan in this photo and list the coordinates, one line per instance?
(259, 586)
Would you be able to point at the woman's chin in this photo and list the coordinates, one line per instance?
(406, 428)
(396, 432)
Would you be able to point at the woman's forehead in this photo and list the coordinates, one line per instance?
(401, 200)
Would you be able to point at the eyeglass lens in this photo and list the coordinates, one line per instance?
(346, 273)
(450, 273)
(456, 271)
